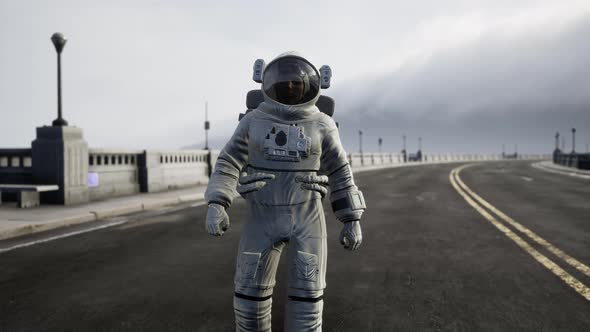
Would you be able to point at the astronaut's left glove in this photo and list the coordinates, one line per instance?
(317, 183)
(351, 235)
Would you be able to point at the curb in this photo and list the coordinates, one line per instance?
(46, 226)
(117, 211)
(160, 203)
(562, 170)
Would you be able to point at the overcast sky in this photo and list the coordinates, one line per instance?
(467, 76)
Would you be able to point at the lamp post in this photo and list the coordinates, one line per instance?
(59, 41)
(360, 141)
(556, 152)
(361, 147)
(380, 142)
(573, 140)
(404, 146)
(207, 126)
(404, 155)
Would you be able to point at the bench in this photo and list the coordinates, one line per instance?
(27, 194)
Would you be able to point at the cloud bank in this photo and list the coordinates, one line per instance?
(493, 91)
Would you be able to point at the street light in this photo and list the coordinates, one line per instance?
(59, 41)
(404, 155)
(360, 141)
(573, 140)
(404, 138)
(361, 147)
(380, 143)
(206, 126)
(557, 140)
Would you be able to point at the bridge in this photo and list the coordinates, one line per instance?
(451, 242)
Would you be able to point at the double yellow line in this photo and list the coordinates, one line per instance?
(479, 203)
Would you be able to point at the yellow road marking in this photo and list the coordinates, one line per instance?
(546, 262)
(532, 235)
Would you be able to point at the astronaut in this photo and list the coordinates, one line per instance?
(281, 159)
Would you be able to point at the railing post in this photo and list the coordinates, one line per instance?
(142, 172)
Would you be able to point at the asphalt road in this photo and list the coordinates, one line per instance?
(429, 262)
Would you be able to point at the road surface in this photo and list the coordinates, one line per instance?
(430, 261)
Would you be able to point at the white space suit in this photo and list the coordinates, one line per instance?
(281, 147)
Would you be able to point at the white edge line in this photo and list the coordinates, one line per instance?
(61, 236)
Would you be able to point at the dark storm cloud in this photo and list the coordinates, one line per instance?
(500, 89)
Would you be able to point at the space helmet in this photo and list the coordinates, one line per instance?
(291, 80)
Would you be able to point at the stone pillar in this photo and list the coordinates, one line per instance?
(150, 172)
(60, 156)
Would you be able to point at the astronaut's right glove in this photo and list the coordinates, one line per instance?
(252, 182)
(351, 235)
(217, 219)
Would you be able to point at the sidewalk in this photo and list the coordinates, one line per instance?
(16, 222)
(549, 166)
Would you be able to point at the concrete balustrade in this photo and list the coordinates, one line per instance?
(16, 165)
(112, 173)
(166, 170)
(60, 156)
(15, 158)
(354, 159)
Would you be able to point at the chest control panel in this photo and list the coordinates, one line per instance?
(286, 142)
